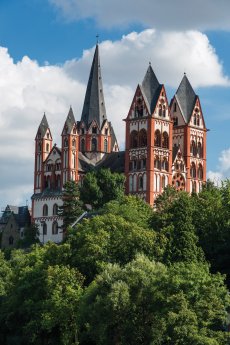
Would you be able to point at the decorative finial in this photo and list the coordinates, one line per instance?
(149, 63)
(97, 37)
(184, 73)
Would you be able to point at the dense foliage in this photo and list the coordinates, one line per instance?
(126, 275)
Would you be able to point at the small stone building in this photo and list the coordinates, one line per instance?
(12, 223)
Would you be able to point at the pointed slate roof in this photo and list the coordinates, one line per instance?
(70, 121)
(186, 98)
(94, 104)
(151, 88)
(43, 126)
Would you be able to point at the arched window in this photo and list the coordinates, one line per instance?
(140, 182)
(44, 229)
(74, 130)
(200, 150)
(82, 145)
(200, 172)
(165, 164)
(160, 110)
(74, 143)
(163, 182)
(47, 147)
(139, 108)
(164, 111)
(55, 228)
(106, 145)
(165, 140)
(143, 138)
(133, 139)
(39, 147)
(198, 120)
(45, 210)
(193, 148)
(157, 138)
(175, 120)
(94, 130)
(144, 181)
(157, 163)
(66, 142)
(94, 145)
(55, 209)
(194, 120)
(193, 170)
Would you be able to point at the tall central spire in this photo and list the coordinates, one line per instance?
(94, 104)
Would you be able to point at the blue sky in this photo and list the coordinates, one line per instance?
(46, 49)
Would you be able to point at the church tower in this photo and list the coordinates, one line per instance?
(148, 151)
(43, 146)
(69, 149)
(189, 139)
(96, 135)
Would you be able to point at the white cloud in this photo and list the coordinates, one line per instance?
(164, 14)
(27, 90)
(171, 54)
(223, 168)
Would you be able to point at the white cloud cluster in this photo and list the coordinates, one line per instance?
(223, 168)
(125, 61)
(164, 14)
(27, 90)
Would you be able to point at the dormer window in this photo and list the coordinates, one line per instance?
(94, 130)
(106, 131)
(83, 131)
(174, 107)
(175, 121)
(164, 111)
(160, 110)
(48, 135)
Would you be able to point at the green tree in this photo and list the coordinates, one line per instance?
(72, 205)
(131, 208)
(148, 303)
(108, 238)
(101, 186)
(31, 233)
(211, 220)
(41, 306)
(175, 222)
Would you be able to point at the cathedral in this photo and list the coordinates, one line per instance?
(165, 144)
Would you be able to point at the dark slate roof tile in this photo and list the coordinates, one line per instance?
(186, 98)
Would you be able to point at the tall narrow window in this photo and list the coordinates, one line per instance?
(82, 145)
(55, 209)
(106, 145)
(143, 138)
(47, 147)
(193, 170)
(55, 228)
(45, 210)
(44, 229)
(157, 139)
(193, 148)
(199, 150)
(133, 139)
(140, 183)
(160, 110)
(164, 111)
(165, 140)
(94, 145)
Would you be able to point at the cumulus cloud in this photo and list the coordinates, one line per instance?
(164, 14)
(171, 54)
(27, 90)
(223, 168)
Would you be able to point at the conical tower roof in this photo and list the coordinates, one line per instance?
(151, 88)
(94, 104)
(70, 121)
(43, 126)
(186, 98)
